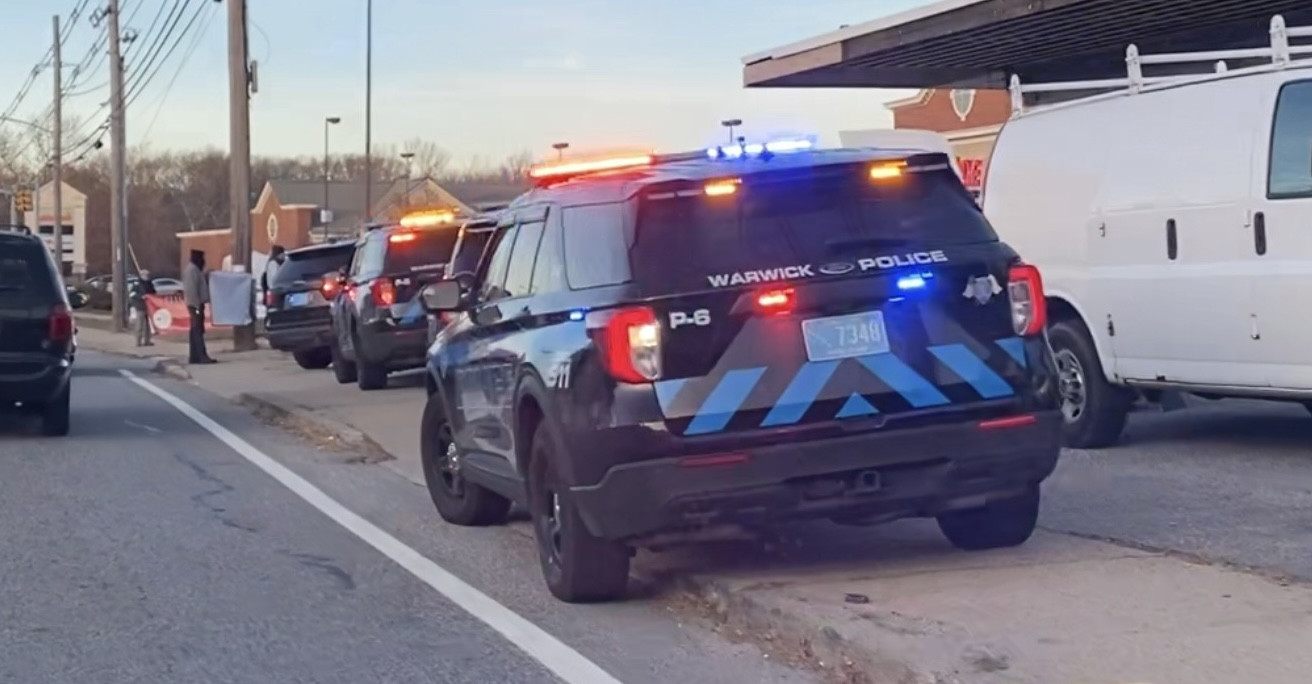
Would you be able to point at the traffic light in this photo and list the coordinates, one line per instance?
(23, 201)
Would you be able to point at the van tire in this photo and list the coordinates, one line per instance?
(458, 501)
(997, 525)
(578, 567)
(1093, 410)
(343, 370)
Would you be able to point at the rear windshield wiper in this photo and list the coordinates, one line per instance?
(849, 243)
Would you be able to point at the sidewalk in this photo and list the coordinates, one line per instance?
(896, 604)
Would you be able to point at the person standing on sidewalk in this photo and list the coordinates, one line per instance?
(277, 255)
(196, 294)
(140, 289)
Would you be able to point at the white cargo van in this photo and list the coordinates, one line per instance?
(1172, 222)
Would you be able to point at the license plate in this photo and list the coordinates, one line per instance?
(845, 337)
(298, 299)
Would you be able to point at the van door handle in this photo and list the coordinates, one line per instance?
(1172, 241)
(1259, 233)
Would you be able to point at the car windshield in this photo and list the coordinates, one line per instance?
(312, 264)
(792, 220)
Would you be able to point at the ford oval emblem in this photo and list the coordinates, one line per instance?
(836, 268)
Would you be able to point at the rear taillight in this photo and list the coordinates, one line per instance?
(328, 288)
(268, 298)
(630, 343)
(383, 291)
(60, 326)
(1029, 308)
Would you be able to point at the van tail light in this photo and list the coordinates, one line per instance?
(629, 341)
(383, 291)
(59, 328)
(1029, 307)
(329, 288)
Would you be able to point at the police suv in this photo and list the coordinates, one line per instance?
(655, 346)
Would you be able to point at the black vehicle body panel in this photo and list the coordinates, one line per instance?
(770, 434)
(33, 367)
(299, 315)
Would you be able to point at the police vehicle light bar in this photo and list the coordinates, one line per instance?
(721, 188)
(425, 219)
(747, 150)
(573, 168)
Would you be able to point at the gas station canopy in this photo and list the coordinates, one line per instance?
(981, 43)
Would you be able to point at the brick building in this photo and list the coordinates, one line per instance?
(288, 213)
(970, 120)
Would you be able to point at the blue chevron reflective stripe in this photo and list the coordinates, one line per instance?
(666, 391)
(855, 407)
(724, 401)
(898, 375)
(973, 370)
(1015, 348)
(800, 394)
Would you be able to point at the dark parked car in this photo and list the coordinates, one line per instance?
(379, 324)
(37, 337)
(298, 304)
(734, 338)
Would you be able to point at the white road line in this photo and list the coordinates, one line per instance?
(555, 655)
(147, 428)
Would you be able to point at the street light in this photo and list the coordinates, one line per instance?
(560, 148)
(731, 124)
(327, 169)
(405, 197)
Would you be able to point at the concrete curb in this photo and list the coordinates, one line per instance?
(173, 368)
(315, 425)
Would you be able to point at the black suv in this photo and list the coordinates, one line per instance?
(379, 325)
(298, 303)
(738, 337)
(36, 331)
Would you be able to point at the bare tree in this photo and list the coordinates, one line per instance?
(429, 160)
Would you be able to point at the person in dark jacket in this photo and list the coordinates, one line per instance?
(277, 256)
(140, 288)
(196, 293)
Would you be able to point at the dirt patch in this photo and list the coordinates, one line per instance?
(351, 445)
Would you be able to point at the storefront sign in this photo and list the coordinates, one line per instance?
(972, 171)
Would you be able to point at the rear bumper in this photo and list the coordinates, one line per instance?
(298, 337)
(914, 472)
(395, 345)
(32, 378)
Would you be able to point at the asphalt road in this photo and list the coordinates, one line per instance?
(142, 549)
(1226, 481)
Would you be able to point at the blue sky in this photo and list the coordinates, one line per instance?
(482, 78)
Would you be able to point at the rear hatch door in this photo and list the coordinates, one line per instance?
(807, 298)
(299, 284)
(28, 292)
(415, 258)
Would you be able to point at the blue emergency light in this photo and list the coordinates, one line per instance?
(914, 281)
(748, 150)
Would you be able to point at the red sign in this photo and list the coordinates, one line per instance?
(169, 315)
(972, 171)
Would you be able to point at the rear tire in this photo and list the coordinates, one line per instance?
(1093, 410)
(578, 567)
(55, 414)
(999, 525)
(344, 370)
(458, 501)
(313, 359)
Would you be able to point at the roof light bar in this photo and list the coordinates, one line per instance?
(760, 149)
(425, 219)
(574, 168)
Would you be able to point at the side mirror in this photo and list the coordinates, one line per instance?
(446, 295)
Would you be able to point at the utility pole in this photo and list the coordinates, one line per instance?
(239, 171)
(118, 170)
(57, 158)
(368, 111)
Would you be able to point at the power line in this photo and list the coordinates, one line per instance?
(45, 61)
(186, 57)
